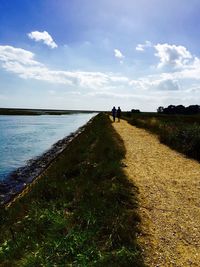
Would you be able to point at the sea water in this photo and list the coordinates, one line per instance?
(25, 137)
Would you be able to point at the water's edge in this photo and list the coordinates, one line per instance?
(18, 180)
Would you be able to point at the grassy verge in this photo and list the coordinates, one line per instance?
(83, 212)
(181, 133)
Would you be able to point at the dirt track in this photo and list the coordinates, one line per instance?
(169, 195)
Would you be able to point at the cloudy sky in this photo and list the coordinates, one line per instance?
(86, 54)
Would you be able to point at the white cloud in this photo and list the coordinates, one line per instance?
(119, 79)
(141, 47)
(12, 54)
(153, 88)
(118, 54)
(156, 83)
(23, 63)
(44, 36)
(167, 85)
(173, 55)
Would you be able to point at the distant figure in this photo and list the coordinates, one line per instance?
(114, 113)
(118, 114)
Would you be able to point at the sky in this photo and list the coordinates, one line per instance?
(93, 55)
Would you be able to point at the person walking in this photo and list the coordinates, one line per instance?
(114, 113)
(118, 114)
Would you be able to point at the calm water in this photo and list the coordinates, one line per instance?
(25, 137)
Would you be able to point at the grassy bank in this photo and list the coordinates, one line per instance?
(180, 132)
(82, 212)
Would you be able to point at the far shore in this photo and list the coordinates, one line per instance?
(19, 111)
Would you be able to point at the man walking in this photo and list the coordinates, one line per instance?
(118, 114)
(114, 113)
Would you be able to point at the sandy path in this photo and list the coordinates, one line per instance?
(169, 186)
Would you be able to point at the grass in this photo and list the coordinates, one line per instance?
(180, 132)
(82, 212)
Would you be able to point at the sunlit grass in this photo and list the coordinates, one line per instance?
(83, 212)
(181, 133)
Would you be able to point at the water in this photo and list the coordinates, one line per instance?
(25, 137)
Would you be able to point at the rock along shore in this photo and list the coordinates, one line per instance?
(18, 180)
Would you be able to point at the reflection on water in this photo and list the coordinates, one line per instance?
(25, 137)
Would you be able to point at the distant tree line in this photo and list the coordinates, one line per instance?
(180, 109)
(135, 111)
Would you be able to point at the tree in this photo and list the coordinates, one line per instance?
(135, 111)
(160, 109)
(180, 109)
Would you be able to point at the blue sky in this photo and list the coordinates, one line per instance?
(85, 54)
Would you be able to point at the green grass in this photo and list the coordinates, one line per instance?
(82, 212)
(180, 132)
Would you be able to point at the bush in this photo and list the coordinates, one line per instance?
(184, 138)
(179, 132)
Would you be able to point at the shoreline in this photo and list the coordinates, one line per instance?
(38, 112)
(17, 181)
(82, 210)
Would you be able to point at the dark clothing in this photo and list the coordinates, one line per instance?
(118, 113)
(114, 113)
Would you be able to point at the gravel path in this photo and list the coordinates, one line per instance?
(169, 195)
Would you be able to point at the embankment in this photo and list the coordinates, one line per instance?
(81, 212)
